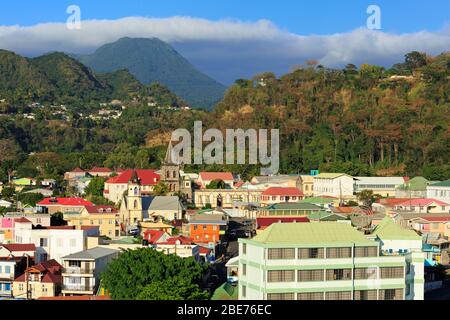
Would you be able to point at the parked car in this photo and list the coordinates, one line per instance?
(133, 232)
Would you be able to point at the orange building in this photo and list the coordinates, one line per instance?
(207, 228)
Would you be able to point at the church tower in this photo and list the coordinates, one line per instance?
(131, 211)
(170, 171)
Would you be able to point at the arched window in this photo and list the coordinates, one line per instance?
(136, 190)
(174, 174)
(135, 204)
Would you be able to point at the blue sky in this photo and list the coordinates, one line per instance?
(302, 17)
(231, 39)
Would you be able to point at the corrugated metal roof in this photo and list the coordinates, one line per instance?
(317, 233)
(389, 230)
(91, 254)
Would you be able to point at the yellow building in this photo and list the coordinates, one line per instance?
(105, 217)
(44, 280)
(307, 185)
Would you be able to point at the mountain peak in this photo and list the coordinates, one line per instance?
(153, 60)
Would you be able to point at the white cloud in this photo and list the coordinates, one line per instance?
(228, 49)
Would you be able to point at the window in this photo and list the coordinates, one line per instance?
(7, 269)
(365, 273)
(7, 286)
(43, 242)
(280, 276)
(366, 252)
(392, 272)
(310, 296)
(244, 291)
(280, 254)
(0, 269)
(21, 286)
(365, 295)
(339, 253)
(310, 275)
(344, 295)
(280, 296)
(204, 227)
(391, 294)
(339, 274)
(73, 242)
(244, 248)
(75, 264)
(311, 253)
(244, 269)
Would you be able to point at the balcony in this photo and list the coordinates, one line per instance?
(77, 270)
(78, 288)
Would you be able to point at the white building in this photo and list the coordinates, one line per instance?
(439, 191)
(81, 270)
(5, 204)
(324, 261)
(384, 186)
(52, 242)
(339, 185)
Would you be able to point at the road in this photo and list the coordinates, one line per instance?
(440, 294)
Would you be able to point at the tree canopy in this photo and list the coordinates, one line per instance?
(139, 274)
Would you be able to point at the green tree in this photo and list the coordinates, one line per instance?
(367, 197)
(30, 198)
(95, 187)
(8, 192)
(57, 220)
(161, 189)
(216, 184)
(127, 276)
(172, 289)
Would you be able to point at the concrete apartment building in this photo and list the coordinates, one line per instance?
(53, 242)
(384, 186)
(325, 261)
(439, 191)
(81, 271)
(338, 185)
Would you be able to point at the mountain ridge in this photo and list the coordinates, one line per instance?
(153, 60)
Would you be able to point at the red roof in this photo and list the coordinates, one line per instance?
(239, 184)
(211, 176)
(391, 202)
(22, 220)
(147, 177)
(204, 250)
(278, 191)
(152, 236)
(60, 228)
(51, 270)
(266, 222)
(101, 209)
(101, 170)
(20, 247)
(89, 227)
(182, 240)
(422, 203)
(65, 202)
(78, 170)
(436, 219)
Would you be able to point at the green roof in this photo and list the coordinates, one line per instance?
(225, 292)
(322, 215)
(22, 182)
(316, 233)
(415, 184)
(330, 175)
(317, 200)
(442, 184)
(389, 230)
(292, 206)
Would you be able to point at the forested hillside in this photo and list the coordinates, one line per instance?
(363, 120)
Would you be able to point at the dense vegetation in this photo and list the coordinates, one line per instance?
(357, 120)
(145, 274)
(152, 60)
